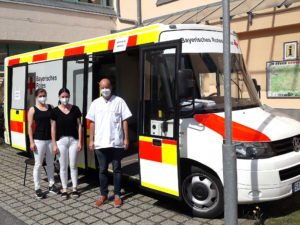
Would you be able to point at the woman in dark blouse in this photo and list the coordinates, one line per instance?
(66, 132)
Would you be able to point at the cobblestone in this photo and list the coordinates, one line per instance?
(111, 219)
(134, 219)
(46, 221)
(138, 208)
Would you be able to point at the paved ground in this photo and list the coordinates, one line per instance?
(139, 207)
(7, 218)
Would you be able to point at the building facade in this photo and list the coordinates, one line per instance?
(268, 30)
(28, 25)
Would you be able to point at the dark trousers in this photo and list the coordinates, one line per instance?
(105, 156)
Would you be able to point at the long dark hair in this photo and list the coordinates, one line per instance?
(62, 90)
(39, 90)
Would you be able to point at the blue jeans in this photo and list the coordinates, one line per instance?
(105, 156)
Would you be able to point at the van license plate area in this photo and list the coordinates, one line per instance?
(296, 186)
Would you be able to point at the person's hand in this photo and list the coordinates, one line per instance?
(32, 147)
(91, 146)
(55, 149)
(126, 143)
(79, 147)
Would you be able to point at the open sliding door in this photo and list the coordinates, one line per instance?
(158, 125)
(18, 106)
(75, 79)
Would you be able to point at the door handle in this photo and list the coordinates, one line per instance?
(156, 142)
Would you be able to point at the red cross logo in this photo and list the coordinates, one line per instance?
(31, 85)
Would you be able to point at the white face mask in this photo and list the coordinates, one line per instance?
(64, 101)
(105, 92)
(41, 100)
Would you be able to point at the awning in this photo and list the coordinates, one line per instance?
(206, 13)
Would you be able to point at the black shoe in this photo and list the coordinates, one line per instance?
(39, 194)
(53, 189)
(75, 194)
(65, 195)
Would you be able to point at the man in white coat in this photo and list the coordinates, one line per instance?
(108, 137)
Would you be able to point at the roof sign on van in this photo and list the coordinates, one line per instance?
(201, 41)
(120, 44)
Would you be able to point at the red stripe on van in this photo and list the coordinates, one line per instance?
(40, 57)
(150, 152)
(12, 62)
(239, 132)
(74, 51)
(111, 44)
(16, 126)
(169, 142)
(132, 41)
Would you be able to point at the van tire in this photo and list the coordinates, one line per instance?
(203, 193)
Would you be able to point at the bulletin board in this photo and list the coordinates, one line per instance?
(283, 79)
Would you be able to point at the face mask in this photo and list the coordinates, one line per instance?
(42, 100)
(64, 101)
(105, 92)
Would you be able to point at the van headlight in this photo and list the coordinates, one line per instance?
(253, 150)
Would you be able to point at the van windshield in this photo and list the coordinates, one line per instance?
(209, 78)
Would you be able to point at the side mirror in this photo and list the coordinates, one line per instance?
(257, 87)
(185, 84)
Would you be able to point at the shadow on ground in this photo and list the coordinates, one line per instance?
(275, 212)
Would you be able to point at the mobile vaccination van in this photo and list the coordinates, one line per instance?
(172, 78)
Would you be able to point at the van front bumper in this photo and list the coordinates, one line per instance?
(268, 179)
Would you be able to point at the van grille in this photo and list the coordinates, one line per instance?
(283, 146)
(289, 173)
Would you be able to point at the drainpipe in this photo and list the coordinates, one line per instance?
(126, 20)
(139, 12)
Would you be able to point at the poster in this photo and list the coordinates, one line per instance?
(283, 79)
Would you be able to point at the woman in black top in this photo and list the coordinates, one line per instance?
(40, 140)
(66, 132)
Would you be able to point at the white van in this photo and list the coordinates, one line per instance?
(171, 77)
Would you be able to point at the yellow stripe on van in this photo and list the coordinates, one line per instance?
(58, 54)
(165, 190)
(147, 139)
(26, 59)
(80, 165)
(96, 47)
(169, 154)
(148, 37)
(19, 147)
(144, 35)
(19, 117)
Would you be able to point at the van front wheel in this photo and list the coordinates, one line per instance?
(203, 194)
